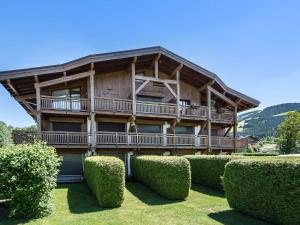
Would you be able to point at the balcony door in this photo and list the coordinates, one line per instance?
(66, 99)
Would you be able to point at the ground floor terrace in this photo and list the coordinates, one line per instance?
(75, 204)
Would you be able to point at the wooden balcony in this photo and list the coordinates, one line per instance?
(124, 106)
(65, 138)
(135, 140)
(64, 104)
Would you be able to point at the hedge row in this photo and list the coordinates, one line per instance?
(208, 169)
(105, 176)
(265, 188)
(170, 176)
(27, 176)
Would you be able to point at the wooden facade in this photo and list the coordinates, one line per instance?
(144, 101)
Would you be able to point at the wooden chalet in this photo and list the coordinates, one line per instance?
(142, 101)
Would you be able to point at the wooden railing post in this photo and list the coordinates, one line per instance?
(133, 87)
(178, 94)
(235, 129)
(38, 112)
(208, 93)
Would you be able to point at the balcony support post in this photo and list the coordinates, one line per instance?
(235, 128)
(38, 114)
(92, 87)
(208, 95)
(178, 94)
(93, 132)
(133, 94)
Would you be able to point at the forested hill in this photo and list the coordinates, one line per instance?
(264, 122)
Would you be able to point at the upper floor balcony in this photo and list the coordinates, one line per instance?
(124, 107)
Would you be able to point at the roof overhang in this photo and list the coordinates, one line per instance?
(191, 71)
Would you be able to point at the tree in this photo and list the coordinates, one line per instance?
(5, 135)
(289, 133)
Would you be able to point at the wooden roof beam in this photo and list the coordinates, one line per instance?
(205, 86)
(157, 57)
(25, 97)
(220, 95)
(12, 87)
(65, 79)
(138, 77)
(134, 59)
(178, 68)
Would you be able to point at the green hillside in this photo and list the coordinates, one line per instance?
(264, 122)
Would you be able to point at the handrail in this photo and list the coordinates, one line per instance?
(65, 103)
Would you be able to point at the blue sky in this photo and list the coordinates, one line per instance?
(254, 46)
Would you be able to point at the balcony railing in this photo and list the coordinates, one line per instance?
(149, 139)
(135, 139)
(65, 138)
(114, 105)
(65, 104)
(226, 116)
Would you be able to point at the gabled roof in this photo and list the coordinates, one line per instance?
(60, 68)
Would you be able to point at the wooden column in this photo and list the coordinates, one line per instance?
(93, 115)
(235, 128)
(92, 94)
(38, 112)
(178, 94)
(156, 69)
(209, 118)
(133, 88)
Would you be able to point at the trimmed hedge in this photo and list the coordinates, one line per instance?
(268, 189)
(27, 177)
(256, 154)
(208, 169)
(105, 176)
(170, 176)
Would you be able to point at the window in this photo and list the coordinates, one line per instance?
(147, 128)
(148, 99)
(66, 126)
(67, 99)
(111, 127)
(184, 130)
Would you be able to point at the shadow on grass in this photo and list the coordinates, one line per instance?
(81, 199)
(231, 217)
(207, 191)
(146, 195)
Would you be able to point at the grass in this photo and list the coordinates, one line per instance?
(74, 204)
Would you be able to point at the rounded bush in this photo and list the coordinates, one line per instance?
(268, 189)
(170, 176)
(256, 154)
(27, 176)
(208, 170)
(105, 176)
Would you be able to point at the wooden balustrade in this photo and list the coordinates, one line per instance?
(65, 104)
(113, 105)
(65, 138)
(116, 105)
(156, 108)
(135, 139)
(226, 116)
(193, 111)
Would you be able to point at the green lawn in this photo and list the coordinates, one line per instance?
(74, 204)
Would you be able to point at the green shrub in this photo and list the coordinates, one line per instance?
(208, 169)
(27, 176)
(105, 176)
(170, 176)
(265, 188)
(256, 154)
